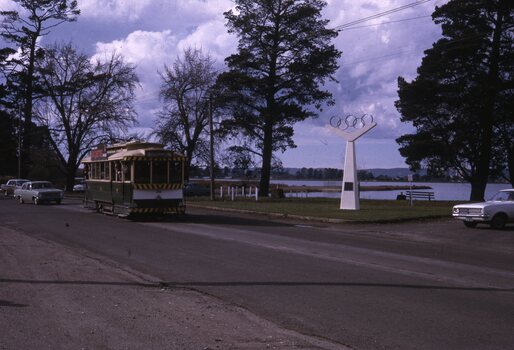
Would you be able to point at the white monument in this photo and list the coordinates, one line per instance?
(353, 128)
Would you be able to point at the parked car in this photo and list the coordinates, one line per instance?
(80, 187)
(497, 212)
(9, 187)
(193, 189)
(38, 192)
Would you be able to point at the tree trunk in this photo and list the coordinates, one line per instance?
(71, 172)
(510, 163)
(477, 190)
(187, 167)
(27, 109)
(487, 117)
(266, 159)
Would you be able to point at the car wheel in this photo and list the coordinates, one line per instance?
(58, 201)
(6, 194)
(470, 224)
(499, 221)
(21, 200)
(36, 201)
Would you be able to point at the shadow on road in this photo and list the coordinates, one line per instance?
(11, 304)
(254, 284)
(214, 219)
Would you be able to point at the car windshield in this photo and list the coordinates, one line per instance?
(503, 196)
(39, 185)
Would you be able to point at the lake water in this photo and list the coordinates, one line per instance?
(442, 191)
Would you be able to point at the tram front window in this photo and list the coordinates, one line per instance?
(159, 172)
(175, 171)
(142, 172)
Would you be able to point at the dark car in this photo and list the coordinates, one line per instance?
(9, 187)
(193, 189)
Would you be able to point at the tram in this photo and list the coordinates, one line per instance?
(134, 178)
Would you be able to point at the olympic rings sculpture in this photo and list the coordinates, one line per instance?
(351, 121)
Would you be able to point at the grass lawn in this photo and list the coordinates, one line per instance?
(371, 210)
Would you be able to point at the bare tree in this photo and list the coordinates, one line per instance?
(185, 91)
(85, 102)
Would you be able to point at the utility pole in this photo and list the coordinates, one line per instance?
(19, 142)
(211, 141)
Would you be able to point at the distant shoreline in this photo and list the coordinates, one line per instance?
(361, 188)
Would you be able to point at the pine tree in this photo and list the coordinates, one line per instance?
(275, 79)
(456, 101)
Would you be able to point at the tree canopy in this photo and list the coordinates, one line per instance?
(459, 101)
(276, 78)
(85, 102)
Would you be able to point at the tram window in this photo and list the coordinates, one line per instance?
(175, 171)
(142, 172)
(117, 171)
(95, 170)
(126, 171)
(159, 172)
(105, 173)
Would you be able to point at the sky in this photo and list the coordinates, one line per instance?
(152, 33)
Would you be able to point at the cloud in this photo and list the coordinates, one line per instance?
(375, 54)
(141, 47)
(148, 51)
(8, 5)
(150, 33)
(213, 38)
(113, 9)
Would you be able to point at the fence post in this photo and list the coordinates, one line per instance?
(256, 194)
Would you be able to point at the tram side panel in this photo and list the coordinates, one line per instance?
(158, 198)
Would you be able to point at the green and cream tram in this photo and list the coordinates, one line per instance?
(134, 178)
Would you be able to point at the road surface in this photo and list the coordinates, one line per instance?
(422, 285)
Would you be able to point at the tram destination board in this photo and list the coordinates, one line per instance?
(99, 153)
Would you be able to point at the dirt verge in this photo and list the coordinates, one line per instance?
(53, 297)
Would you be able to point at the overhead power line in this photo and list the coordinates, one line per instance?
(441, 46)
(381, 14)
(390, 22)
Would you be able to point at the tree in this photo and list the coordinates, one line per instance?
(24, 33)
(275, 79)
(454, 103)
(505, 146)
(186, 90)
(85, 103)
(8, 143)
(9, 124)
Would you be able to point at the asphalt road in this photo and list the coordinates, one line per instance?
(422, 285)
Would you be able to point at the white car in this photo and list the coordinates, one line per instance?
(497, 212)
(80, 187)
(38, 192)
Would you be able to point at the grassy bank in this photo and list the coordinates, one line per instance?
(328, 208)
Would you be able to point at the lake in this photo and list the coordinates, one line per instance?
(442, 191)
